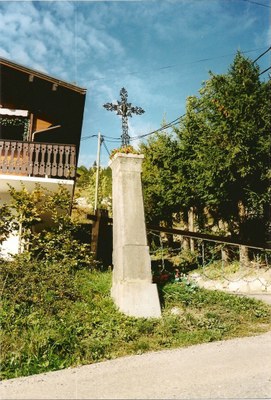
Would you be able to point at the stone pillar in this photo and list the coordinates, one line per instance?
(132, 287)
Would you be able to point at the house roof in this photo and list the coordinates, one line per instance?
(41, 75)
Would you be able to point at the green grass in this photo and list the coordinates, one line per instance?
(54, 318)
(216, 270)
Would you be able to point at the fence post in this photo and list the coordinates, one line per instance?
(101, 238)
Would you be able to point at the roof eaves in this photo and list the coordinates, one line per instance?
(41, 75)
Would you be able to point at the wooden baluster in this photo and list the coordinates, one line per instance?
(1, 156)
(31, 161)
(24, 166)
(12, 159)
(6, 163)
(60, 164)
(42, 161)
(18, 157)
(36, 161)
(27, 158)
(54, 166)
(67, 163)
(72, 162)
(48, 160)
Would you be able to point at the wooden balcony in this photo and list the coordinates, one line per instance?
(47, 160)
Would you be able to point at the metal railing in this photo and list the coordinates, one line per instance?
(213, 264)
(37, 159)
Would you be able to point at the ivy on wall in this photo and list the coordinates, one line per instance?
(16, 121)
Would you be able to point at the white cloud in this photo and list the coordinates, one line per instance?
(56, 34)
(17, 52)
(4, 53)
(39, 49)
(48, 24)
(98, 40)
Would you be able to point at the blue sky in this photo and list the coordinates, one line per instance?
(159, 50)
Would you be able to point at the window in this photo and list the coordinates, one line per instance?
(14, 124)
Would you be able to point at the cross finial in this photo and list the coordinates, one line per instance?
(126, 110)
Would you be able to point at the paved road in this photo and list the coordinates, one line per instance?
(233, 369)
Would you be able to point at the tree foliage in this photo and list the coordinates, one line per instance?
(220, 158)
(86, 183)
(161, 181)
(21, 214)
(7, 223)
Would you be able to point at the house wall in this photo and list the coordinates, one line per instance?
(9, 247)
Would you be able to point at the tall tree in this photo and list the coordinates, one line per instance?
(225, 138)
(219, 158)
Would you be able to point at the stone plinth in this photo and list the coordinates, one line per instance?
(132, 287)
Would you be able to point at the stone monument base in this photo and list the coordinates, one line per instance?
(137, 299)
(132, 289)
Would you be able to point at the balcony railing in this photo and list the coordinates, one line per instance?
(37, 159)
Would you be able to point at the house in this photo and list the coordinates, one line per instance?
(40, 129)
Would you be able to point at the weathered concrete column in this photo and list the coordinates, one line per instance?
(132, 287)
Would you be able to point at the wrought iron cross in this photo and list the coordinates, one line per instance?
(125, 110)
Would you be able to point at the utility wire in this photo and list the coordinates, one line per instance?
(267, 69)
(113, 139)
(176, 65)
(106, 148)
(177, 120)
(163, 128)
(88, 137)
(257, 3)
(166, 126)
(266, 51)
